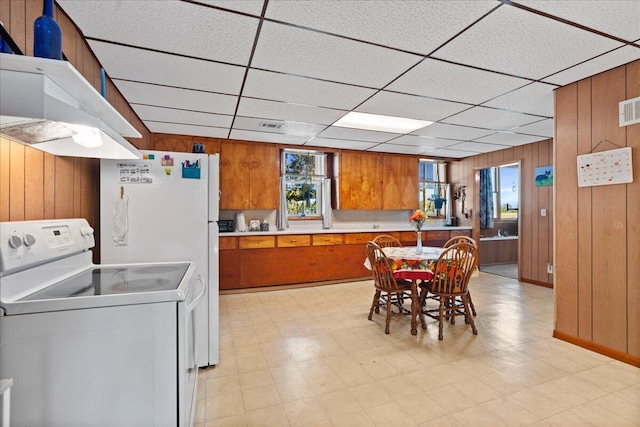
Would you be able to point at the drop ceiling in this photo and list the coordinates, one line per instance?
(284, 71)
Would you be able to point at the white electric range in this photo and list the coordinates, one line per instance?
(94, 345)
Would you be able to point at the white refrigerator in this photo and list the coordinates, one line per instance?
(165, 207)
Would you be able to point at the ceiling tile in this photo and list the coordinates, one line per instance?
(152, 67)
(443, 130)
(284, 111)
(536, 98)
(288, 128)
(398, 149)
(253, 7)
(602, 63)
(307, 53)
(439, 79)
(509, 138)
(542, 128)
(524, 44)
(447, 152)
(341, 143)
(477, 147)
(185, 99)
(491, 118)
(207, 32)
(410, 106)
(267, 137)
(171, 115)
(303, 90)
(356, 134)
(616, 17)
(423, 141)
(177, 129)
(417, 26)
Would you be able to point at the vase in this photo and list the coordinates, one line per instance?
(419, 243)
(47, 36)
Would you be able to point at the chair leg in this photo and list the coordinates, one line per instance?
(473, 309)
(467, 315)
(386, 329)
(375, 305)
(441, 318)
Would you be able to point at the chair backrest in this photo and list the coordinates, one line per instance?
(460, 239)
(454, 268)
(381, 268)
(385, 241)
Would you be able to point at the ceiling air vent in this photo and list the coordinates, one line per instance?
(271, 125)
(630, 112)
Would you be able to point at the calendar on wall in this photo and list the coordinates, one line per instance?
(605, 168)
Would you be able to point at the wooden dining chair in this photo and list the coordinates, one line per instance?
(451, 285)
(385, 241)
(385, 284)
(463, 239)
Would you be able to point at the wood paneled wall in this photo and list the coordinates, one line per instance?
(37, 185)
(536, 232)
(598, 228)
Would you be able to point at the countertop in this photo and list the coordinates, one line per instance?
(380, 230)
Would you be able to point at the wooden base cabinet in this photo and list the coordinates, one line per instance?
(286, 259)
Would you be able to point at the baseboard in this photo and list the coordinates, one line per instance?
(293, 286)
(609, 352)
(535, 282)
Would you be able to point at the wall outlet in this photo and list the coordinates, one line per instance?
(543, 212)
(549, 268)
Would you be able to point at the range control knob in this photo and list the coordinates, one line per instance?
(86, 231)
(15, 241)
(28, 239)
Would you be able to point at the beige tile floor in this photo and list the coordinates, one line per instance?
(310, 357)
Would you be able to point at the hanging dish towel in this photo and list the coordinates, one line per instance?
(120, 220)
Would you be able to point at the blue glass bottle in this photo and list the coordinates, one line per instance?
(47, 37)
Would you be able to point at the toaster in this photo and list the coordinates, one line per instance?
(226, 225)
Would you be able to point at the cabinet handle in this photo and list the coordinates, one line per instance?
(293, 240)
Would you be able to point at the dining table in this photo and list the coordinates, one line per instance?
(410, 263)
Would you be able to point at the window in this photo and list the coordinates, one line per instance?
(505, 191)
(434, 192)
(303, 173)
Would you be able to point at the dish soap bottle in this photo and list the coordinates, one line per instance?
(47, 36)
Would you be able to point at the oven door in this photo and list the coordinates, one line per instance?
(187, 354)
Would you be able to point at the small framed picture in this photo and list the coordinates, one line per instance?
(254, 225)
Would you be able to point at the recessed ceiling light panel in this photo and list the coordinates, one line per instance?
(380, 123)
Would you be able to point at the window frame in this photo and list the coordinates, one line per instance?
(314, 178)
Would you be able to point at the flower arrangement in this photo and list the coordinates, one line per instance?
(418, 218)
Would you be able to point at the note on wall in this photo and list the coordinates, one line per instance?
(605, 168)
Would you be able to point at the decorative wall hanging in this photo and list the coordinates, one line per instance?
(606, 167)
(544, 176)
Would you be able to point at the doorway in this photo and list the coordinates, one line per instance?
(498, 190)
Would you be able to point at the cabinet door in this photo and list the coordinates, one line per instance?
(400, 182)
(360, 181)
(265, 177)
(234, 175)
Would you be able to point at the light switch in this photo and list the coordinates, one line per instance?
(543, 212)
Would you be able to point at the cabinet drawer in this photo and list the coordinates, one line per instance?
(294, 240)
(227, 243)
(357, 238)
(256, 242)
(327, 239)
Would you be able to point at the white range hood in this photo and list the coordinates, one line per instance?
(47, 104)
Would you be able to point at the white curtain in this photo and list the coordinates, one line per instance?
(326, 203)
(282, 223)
